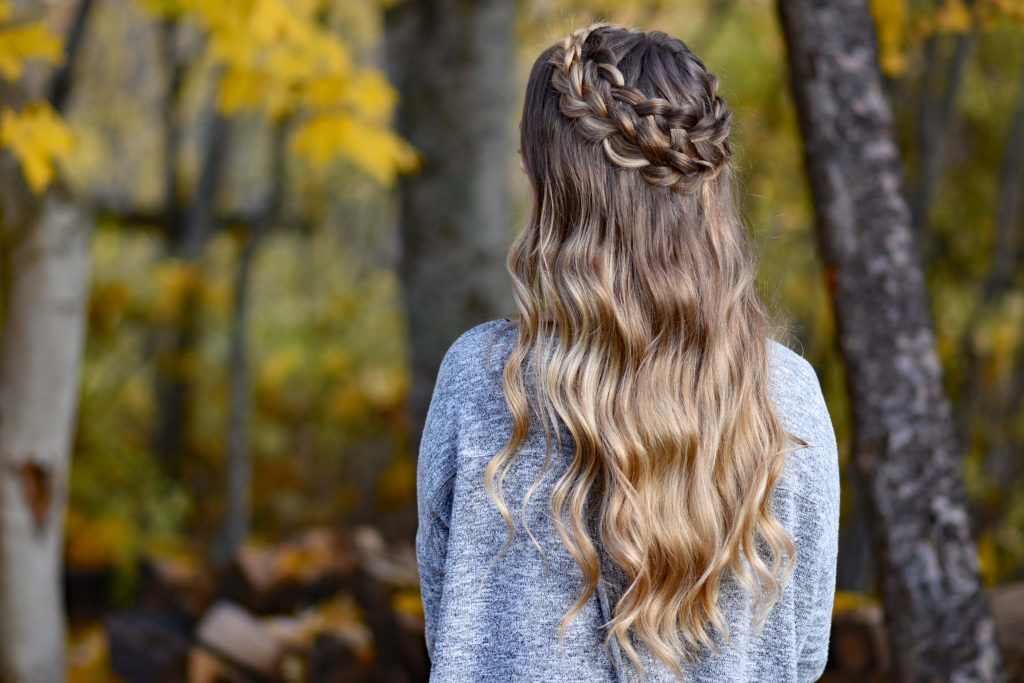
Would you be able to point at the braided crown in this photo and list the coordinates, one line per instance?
(674, 145)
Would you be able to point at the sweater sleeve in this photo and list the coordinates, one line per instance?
(434, 480)
(431, 554)
(821, 536)
(818, 619)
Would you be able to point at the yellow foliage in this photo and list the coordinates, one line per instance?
(890, 18)
(280, 366)
(1012, 9)
(347, 405)
(397, 483)
(988, 559)
(38, 138)
(845, 601)
(178, 365)
(99, 543)
(335, 362)
(385, 390)
(168, 9)
(36, 135)
(278, 58)
(952, 17)
(19, 44)
(175, 281)
(376, 150)
(137, 399)
(217, 296)
(109, 302)
(366, 95)
(408, 601)
(89, 655)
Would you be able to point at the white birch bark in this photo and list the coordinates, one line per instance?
(40, 362)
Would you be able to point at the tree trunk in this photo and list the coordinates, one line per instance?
(42, 337)
(452, 62)
(46, 259)
(238, 518)
(239, 466)
(906, 453)
(186, 242)
(936, 119)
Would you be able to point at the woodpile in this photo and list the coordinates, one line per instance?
(858, 648)
(323, 606)
(326, 606)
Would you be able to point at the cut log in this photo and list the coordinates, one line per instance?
(284, 578)
(233, 633)
(1008, 611)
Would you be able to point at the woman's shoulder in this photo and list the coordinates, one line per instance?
(481, 349)
(812, 472)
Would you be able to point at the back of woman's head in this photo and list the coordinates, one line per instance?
(640, 328)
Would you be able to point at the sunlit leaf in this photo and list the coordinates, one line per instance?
(19, 44)
(38, 138)
(377, 151)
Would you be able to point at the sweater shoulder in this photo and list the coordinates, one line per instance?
(811, 472)
(477, 352)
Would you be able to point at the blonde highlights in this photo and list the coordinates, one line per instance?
(640, 329)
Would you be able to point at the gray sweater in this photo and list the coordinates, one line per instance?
(498, 621)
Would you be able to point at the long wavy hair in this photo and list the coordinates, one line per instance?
(641, 330)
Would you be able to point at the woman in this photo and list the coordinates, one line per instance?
(629, 476)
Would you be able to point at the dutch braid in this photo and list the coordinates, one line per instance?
(674, 145)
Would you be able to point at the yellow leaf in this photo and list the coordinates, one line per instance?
(273, 21)
(988, 559)
(19, 44)
(845, 601)
(408, 601)
(88, 654)
(38, 138)
(280, 366)
(890, 18)
(374, 149)
(953, 17)
(372, 96)
(279, 59)
(175, 282)
(244, 88)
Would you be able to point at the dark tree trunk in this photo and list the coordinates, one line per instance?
(238, 517)
(452, 62)
(906, 450)
(186, 241)
(936, 120)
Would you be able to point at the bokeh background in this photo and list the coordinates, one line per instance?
(262, 222)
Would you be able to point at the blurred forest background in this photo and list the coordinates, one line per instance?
(230, 208)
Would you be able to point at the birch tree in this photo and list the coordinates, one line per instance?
(45, 251)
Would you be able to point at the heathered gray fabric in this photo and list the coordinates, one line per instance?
(498, 621)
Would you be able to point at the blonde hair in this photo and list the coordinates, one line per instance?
(640, 328)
